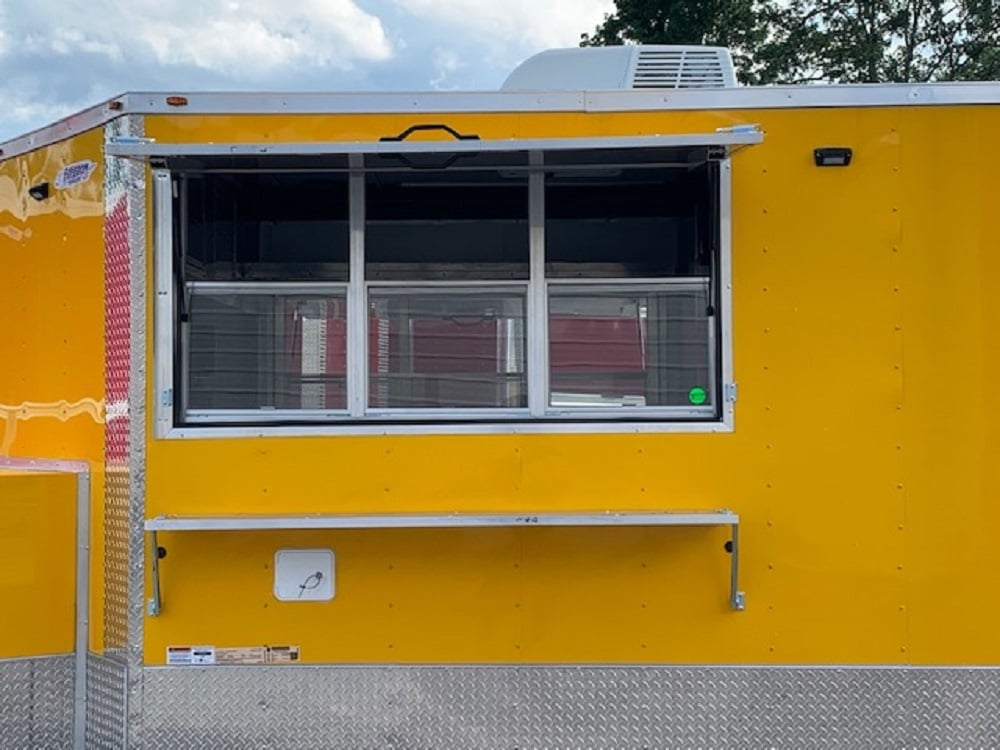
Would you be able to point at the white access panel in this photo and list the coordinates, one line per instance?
(304, 575)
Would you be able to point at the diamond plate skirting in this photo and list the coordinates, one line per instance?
(106, 686)
(36, 703)
(520, 708)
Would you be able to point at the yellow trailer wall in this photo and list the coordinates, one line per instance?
(37, 563)
(52, 322)
(863, 463)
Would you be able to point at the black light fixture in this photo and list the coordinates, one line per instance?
(828, 156)
(39, 192)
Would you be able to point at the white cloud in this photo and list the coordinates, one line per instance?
(27, 111)
(4, 38)
(446, 64)
(66, 41)
(517, 24)
(224, 36)
(269, 35)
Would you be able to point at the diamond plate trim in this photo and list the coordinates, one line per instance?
(117, 378)
(124, 501)
(105, 703)
(36, 703)
(136, 196)
(564, 707)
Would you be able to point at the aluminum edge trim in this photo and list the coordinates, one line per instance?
(741, 137)
(138, 211)
(585, 666)
(552, 426)
(727, 408)
(63, 129)
(434, 102)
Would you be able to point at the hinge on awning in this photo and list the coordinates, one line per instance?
(748, 129)
(729, 393)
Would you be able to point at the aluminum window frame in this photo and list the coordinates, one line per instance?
(359, 418)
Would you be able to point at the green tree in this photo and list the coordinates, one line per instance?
(741, 25)
(870, 41)
(842, 41)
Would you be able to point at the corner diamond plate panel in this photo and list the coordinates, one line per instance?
(420, 708)
(36, 703)
(124, 375)
(117, 371)
(106, 686)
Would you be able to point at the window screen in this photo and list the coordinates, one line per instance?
(631, 347)
(266, 350)
(447, 348)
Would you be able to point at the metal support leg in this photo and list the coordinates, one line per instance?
(154, 604)
(737, 598)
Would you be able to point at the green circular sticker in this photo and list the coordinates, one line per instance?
(697, 395)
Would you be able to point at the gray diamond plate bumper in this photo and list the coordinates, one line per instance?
(36, 702)
(569, 707)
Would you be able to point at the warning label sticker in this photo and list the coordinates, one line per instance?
(282, 654)
(247, 655)
(201, 656)
(190, 656)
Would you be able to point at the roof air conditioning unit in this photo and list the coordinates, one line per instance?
(624, 67)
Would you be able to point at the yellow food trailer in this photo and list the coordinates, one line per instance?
(623, 407)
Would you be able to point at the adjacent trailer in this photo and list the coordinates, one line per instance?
(622, 407)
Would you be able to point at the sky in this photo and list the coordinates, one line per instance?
(60, 56)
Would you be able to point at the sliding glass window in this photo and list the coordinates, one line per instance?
(446, 271)
(262, 273)
(628, 267)
(565, 285)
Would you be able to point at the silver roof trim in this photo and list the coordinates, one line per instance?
(143, 148)
(60, 130)
(441, 102)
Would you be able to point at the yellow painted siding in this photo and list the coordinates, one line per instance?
(863, 464)
(950, 446)
(52, 314)
(37, 563)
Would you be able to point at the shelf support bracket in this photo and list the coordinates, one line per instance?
(737, 598)
(154, 604)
